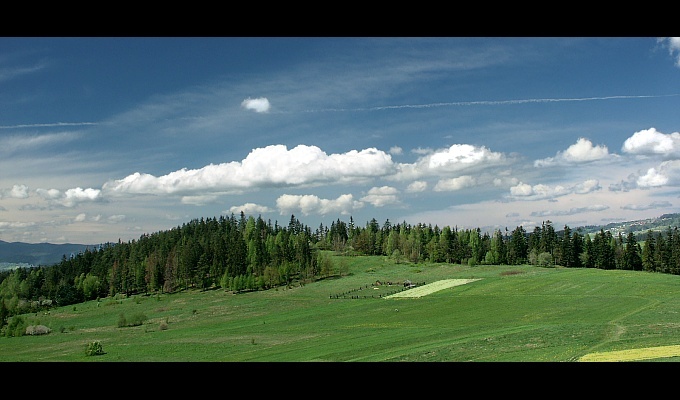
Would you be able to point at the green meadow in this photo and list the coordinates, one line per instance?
(501, 314)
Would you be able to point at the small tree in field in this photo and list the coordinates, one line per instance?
(94, 348)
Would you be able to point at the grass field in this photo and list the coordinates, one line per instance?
(479, 314)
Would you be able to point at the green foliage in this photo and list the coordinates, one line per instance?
(137, 319)
(544, 259)
(94, 348)
(16, 326)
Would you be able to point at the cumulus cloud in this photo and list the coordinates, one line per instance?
(249, 208)
(668, 174)
(652, 178)
(416, 186)
(381, 196)
(71, 197)
(17, 192)
(591, 185)
(579, 152)
(571, 211)
(461, 155)
(310, 204)
(652, 205)
(651, 142)
(273, 165)
(523, 191)
(259, 105)
(448, 185)
(451, 160)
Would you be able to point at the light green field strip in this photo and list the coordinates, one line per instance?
(644, 353)
(424, 290)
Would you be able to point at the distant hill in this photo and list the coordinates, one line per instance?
(38, 253)
(639, 227)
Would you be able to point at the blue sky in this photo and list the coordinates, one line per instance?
(109, 138)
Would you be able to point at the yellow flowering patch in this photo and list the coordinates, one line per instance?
(424, 290)
(644, 353)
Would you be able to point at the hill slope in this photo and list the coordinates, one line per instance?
(38, 253)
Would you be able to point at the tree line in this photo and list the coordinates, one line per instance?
(247, 253)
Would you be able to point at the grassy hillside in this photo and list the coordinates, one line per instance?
(504, 313)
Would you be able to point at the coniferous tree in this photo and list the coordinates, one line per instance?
(632, 257)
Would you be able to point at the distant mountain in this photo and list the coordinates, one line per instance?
(38, 253)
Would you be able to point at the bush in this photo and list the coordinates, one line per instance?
(136, 320)
(16, 327)
(122, 321)
(94, 348)
(37, 330)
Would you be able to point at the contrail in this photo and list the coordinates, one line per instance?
(47, 125)
(485, 103)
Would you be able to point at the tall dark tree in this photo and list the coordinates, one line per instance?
(632, 258)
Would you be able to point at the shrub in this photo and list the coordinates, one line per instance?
(37, 330)
(136, 320)
(122, 321)
(16, 327)
(94, 348)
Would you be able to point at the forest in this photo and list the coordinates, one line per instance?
(247, 253)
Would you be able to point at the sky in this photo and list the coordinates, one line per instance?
(108, 138)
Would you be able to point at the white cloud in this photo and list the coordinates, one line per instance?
(455, 183)
(673, 44)
(650, 206)
(396, 150)
(80, 217)
(589, 186)
(199, 200)
(13, 225)
(71, 197)
(582, 151)
(11, 144)
(523, 191)
(249, 209)
(416, 186)
(461, 154)
(17, 192)
(259, 105)
(114, 219)
(269, 166)
(652, 178)
(48, 194)
(571, 211)
(451, 160)
(310, 204)
(381, 196)
(79, 195)
(650, 141)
